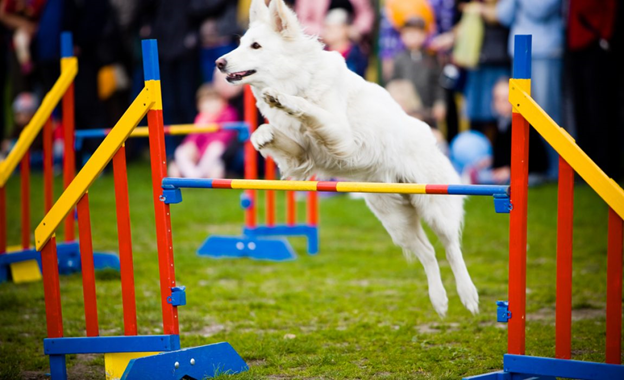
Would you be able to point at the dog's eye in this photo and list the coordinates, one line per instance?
(255, 46)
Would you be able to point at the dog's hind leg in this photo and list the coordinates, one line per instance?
(445, 215)
(402, 222)
(331, 130)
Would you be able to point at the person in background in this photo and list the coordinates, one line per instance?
(493, 63)
(200, 154)
(497, 170)
(24, 107)
(544, 20)
(312, 13)
(96, 44)
(594, 75)
(175, 25)
(217, 33)
(393, 15)
(403, 92)
(421, 68)
(390, 45)
(21, 18)
(445, 12)
(336, 38)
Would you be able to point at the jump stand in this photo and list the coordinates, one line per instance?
(264, 242)
(22, 263)
(517, 365)
(146, 356)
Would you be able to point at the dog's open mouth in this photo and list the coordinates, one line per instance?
(234, 77)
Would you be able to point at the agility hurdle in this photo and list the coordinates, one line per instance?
(516, 364)
(264, 242)
(173, 362)
(23, 263)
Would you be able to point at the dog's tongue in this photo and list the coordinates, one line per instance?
(240, 73)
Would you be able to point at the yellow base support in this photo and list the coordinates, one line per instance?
(115, 363)
(26, 271)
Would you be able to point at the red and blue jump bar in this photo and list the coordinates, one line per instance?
(171, 188)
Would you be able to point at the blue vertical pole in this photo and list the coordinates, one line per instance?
(67, 45)
(151, 71)
(522, 56)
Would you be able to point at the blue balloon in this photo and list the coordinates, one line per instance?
(468, 148)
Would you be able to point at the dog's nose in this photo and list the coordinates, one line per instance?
(221, 63)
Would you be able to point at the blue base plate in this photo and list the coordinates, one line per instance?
(68, 259)
(272, 249)
(190, 363)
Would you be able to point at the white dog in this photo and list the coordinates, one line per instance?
(327, 121)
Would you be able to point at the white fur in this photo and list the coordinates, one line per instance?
(327, 121)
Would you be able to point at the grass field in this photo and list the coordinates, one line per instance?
(355, 311)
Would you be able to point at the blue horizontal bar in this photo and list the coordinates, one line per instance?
(32, 254)
(186, 183)
(477, 189)
(19, 256)
(238, 126)
(537, 366)
(91, 133)
(108, 344)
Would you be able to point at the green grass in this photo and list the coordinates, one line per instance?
(355, 311)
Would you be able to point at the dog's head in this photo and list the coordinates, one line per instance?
(273, 48)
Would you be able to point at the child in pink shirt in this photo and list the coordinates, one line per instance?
(200, 154)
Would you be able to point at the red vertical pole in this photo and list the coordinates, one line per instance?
(269, 173)
(163, 220)
(69, 161)
(313, 207)
(25, 182)
(125, 241)
(52, 289)
(88, 269)
(48, 175)
(291, 208)
(565, 223)
(3, 221)
(158, 160)
(518, 233)
(614, 289)
(519, 196)
(251, 161)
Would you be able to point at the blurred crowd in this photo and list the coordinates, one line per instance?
(446, 62)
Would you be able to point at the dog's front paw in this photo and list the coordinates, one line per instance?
(271, 97)
(289, 104)
(262, 137)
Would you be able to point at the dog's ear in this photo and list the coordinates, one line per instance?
(259, 11)
(283, 20)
